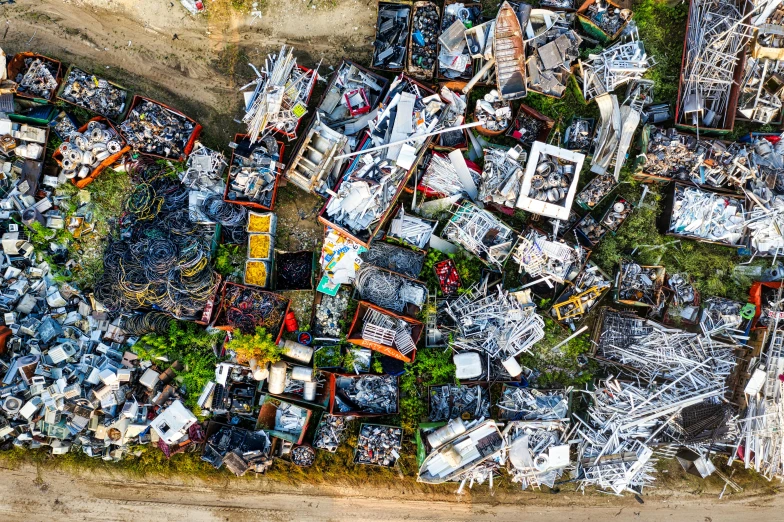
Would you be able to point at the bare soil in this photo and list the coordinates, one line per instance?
(32, 494)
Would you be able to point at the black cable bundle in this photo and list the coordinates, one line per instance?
(162, 261)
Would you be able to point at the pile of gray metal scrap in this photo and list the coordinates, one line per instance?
(450, 175)
(203, 175)
(764, 186)
(481, 233)
(240, 450)
(760, 98)
(696, 360)
(329, 432)
(450, 402)
(278, 98)
(528, 404)
(22, 154)
(716, 34)
(502, 175)
(253, 173)
(708, 216)
(620, 64)
(549, 261)
(762, 85)
(495, 323)
(411, 229)
(537, 451)
(627, 420)
(68, 382)
(552, 48)
(617, 126)
(761, 426)
(685, 157)
(371, 185)
(379, 445)
(454, 55)
(722, 317)
(367, 394)
(337, 108)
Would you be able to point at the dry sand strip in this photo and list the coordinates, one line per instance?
(32, 495)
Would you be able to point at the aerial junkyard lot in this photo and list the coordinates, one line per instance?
(482, 246)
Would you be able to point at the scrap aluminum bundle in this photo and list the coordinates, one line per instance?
(707, 215)
(551, 52)
(204, 170)
(39, 78)
(538, 453)
(371, 184)
(760, 99)
(624, 419)
(617, 126)
(620, 64)
(690, 158)
(380, 445)
(369, 393)
(694, 360)
(329, 432)
(717, 32)
(552, 260)
(481, 233)
(411, 229)
(762, 426)
(450, 402)
(502, 176)
(279, 96)
(494, 323)
(528, 404)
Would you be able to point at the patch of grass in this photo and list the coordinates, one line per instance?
(662, 26)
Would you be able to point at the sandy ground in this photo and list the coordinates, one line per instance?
(32, 495)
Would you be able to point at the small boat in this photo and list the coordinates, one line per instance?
(509, 50)
(462, 453)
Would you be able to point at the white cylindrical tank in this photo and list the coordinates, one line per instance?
(277, 378)
(444, 434)
(298, 352)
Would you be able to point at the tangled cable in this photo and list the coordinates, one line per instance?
(162, 261)
(246, 308)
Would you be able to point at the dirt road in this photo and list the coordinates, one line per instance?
(31, 495)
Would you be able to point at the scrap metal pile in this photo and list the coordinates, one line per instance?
(439, 242)
(162, 259)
